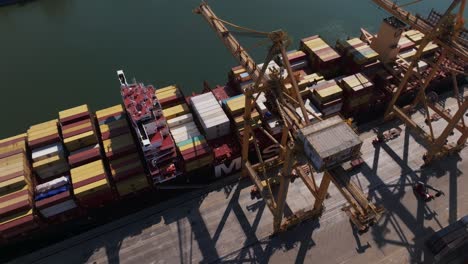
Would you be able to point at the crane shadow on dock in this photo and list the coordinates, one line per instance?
(400, 220)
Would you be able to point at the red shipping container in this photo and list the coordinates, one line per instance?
(97, 199)
(84, 156)
(42, 142)
(74, 118)
(53, 200)
(82, 183)
(18, 226)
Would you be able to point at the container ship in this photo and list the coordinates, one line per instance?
(60, 170)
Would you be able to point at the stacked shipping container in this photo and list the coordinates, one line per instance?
(323, 58)
(126, 170)
(358, 54)
(192, 146)
(53, 197)
(16, 188)
(90, 185)
(327, 96)
(358, 92)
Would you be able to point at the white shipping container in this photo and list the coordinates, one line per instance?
(215, 124)
(184, 132)
(183, 127)
(204, 101)
(215, 121)
(177, 121)
(186, 135)
(332, 109)
(210, 115)
(58, 208)
(45, 187)
(47, 152)
(202, 97)
(211, 108)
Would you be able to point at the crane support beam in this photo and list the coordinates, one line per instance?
(322, 191)
(265, 192)
(409, 122)
(285, 179)
(445, 116)
(229, 40)
(308, 182)
(451, 125)
(417, 23)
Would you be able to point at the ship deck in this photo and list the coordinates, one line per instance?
(222, 224)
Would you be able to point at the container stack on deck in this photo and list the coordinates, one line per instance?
(323, 58)
(240, 78)
(359, 56)
(88, 177)
(90, 185)
(191, 144)
(53, 196)
(16, 189)
(357, 93)
(217, 129)
(126, 170)
(327, 97)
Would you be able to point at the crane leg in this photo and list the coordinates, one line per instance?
(283, 188)
(322, 192)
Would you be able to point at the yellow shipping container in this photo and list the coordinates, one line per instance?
(164, 89)
(73, 111)
(45, 132)
(191, 145)
(14, 146)
(80, 140)
(49, 162)
(91, 188)
(328, 93)
(196, 164)
(118, 142)
(113, 125)
(14, 184)
(167, 94)
(87, 124)
(17, 199)
(43, 125)
(12, 138)
(87, 171)
(109, 111)
(13, 217)
(133, 184)
(176, 111)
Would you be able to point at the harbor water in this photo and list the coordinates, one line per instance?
(57, 54)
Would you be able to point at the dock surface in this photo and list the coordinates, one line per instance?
(225, 225)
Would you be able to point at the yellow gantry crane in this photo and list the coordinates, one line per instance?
(446, 30)
(288, 163)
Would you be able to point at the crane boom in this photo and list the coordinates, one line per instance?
(229, 40)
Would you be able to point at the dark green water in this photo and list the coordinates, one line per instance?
(58, 54)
